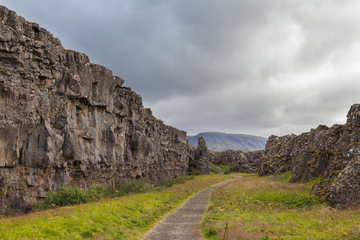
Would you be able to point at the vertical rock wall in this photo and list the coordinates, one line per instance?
(66, 121)
(238, 161)
(330, 154)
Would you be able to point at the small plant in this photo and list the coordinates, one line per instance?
(210, 232)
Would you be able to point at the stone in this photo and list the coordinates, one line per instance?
(66, 121)
(238, 160)
(344, 192)
(200, 164)
(18, 202)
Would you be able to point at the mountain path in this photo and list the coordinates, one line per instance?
(184, 223)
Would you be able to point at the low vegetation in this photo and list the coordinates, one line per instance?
(219, 169)
(271, 208)
(254, 207)
(73, 195)
(125, 217)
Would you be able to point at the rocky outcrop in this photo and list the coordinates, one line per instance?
(66, 121)
(238, 161)
(344, 192)
(200, 164)
(323, 153)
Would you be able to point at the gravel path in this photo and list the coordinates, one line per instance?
(184, 223)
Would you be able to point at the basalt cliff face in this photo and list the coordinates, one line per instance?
(66, 121)
(330, 154)
(238, 161)
(200, 164)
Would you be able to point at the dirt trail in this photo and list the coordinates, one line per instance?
(184, 223)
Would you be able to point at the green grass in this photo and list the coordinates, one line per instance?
(219, 169)
(127, 217)
(285, 177)
(73, 195)
(271, 208)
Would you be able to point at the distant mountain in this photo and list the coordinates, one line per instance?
(217, 141)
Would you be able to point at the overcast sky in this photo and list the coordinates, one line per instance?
(256, 67)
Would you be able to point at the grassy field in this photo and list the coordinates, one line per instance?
(127, 217)
(271, 208)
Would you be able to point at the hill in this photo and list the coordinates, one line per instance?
(217, 141)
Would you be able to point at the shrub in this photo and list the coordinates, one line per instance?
(72, 195)
(215, 169)
(225, 169)
(210, 232)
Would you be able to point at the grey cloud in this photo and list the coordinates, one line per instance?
(328, 27)
(257, 67)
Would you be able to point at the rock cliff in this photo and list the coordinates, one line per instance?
(66, 121)
(200, 164)
(330, 154)
(238, 161)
